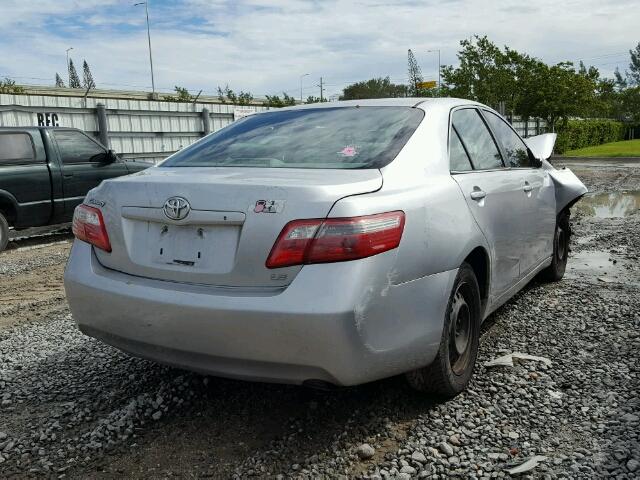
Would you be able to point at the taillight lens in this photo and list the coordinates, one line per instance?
(88, 226)
(336, 239)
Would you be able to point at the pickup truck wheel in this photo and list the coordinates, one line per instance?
(451, 371)
(561, 237)
(4, 232)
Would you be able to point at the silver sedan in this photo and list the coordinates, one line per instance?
(324, 244)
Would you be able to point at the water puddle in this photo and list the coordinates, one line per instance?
(609, 205)
(599, 265)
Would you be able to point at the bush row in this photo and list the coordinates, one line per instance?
(585, 133)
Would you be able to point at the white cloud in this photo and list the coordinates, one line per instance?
(263, 46)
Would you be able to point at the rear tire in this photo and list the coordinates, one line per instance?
(561, 238)
(450, 372)
(4, 232)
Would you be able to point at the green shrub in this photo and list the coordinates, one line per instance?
(586, 133)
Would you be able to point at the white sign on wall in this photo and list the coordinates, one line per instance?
(240, 112)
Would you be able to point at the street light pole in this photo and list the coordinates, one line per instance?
(433, 51)
(68, 70)
(146, 10)
(301, 77)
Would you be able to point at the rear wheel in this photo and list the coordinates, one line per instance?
(451, 371)
(4, 232)
(562, 235)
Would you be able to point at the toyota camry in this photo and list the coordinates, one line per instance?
(324, 244)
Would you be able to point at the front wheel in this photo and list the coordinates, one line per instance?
(4, 232)
(450, 372)
(561, 238)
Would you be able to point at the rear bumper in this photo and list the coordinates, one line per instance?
(343, 323)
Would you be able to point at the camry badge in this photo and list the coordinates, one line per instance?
(176, 208)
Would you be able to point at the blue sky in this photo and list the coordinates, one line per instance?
(265, 45)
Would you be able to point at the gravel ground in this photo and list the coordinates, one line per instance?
(71, 407)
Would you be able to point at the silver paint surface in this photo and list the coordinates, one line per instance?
(346, 323)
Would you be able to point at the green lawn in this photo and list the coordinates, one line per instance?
(627, 148)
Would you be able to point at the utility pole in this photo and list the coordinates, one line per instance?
(68, 72)
(301, 77)
(321, 91)
(146, 9)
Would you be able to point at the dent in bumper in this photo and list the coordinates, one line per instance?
(345, 323)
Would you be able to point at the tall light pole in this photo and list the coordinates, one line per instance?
(433, 51)
(301, 77)
(146, 9)
(68, 70)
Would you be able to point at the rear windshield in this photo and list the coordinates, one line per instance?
(343, 137)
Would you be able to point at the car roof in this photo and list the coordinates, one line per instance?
(420, 102)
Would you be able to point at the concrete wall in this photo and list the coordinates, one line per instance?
(137, 128)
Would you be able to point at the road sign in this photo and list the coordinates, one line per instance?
(429, 84)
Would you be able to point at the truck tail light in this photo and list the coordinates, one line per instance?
(88, 226)
(336, 239)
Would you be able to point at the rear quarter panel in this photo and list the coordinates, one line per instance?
(401, 308)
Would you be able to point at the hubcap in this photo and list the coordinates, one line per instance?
(461, 332)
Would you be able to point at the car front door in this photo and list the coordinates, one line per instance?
(85, 164)
(537, 193)
(492, 192)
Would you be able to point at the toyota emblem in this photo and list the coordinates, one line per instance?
(176, 208)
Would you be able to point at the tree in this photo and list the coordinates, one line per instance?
(312, 99)
(275, 101)
(528, 86)
(374, 88)
(9, 86)
(74, 80)
(242, 98)
(630, 104)
(59, 81)
(634, 66)
(415, 75)
(621, 82)
(87, 78)
(182, 95)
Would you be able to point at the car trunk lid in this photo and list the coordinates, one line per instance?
(235, 217)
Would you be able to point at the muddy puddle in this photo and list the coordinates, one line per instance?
(609, 205)
(601, 266)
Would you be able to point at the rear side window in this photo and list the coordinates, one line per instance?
(515, 149)
(458, 158)
(16, 149)
(76, 147)
(340, 137)
(477, 139)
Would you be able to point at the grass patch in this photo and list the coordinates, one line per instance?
(627, 148)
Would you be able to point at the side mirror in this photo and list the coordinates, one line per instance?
(111, 157)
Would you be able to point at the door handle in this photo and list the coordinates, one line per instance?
(478, 194)
(527, 188)
(68, 175)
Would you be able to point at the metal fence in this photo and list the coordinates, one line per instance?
(528, 128)
(135, 128)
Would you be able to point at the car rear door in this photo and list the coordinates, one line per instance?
(85, 164)
(492, 192)
(538, 194)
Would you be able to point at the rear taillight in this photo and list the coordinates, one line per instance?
(88, 226)
(336, 239)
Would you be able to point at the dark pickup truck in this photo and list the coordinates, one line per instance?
(45, 172)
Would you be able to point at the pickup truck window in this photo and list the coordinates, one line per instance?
(16, 149)
(75, 147)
